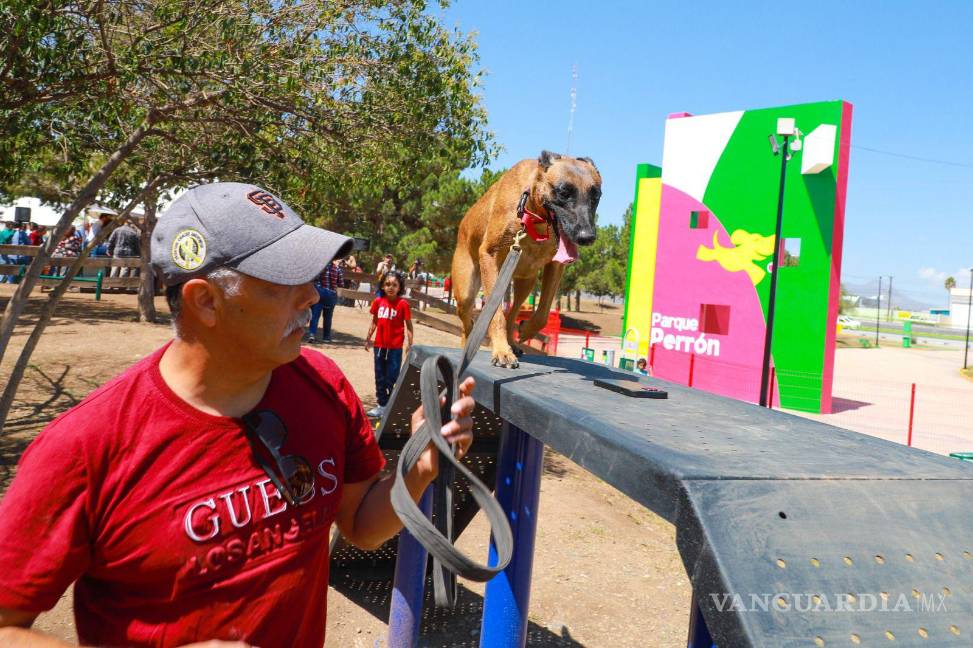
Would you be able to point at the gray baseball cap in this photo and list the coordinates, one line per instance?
(244, 227)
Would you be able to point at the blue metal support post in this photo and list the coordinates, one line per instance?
(505, 604)
(699, 636)
(405, 615)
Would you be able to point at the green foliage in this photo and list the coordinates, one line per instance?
(317, 101)
(601, 268)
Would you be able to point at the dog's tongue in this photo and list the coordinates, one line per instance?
(567, 251)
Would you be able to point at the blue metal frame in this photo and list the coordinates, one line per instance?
(405, 615)
(519, 468)
(699, 636)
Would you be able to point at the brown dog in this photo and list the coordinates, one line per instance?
(562, 195)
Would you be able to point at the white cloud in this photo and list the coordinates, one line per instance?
(938, 277)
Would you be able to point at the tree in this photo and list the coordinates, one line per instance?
(949, 284)
(117, 100)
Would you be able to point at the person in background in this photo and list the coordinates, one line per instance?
(70, 246)
(349, 265)
(642, 367)
(124, 243)
(385, 265)
(96, 227)
(6, 236)
(327, 285)
(448, 289)
(36, 234)
(391, 318)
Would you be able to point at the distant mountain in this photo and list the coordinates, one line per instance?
(901, 299)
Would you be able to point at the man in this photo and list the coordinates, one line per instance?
(6, 236)
(191, 497)
(327, 286)
(385, 265)
(124, 243)
(21, 237)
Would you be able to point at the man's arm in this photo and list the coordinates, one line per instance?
(15, 631)
(365, 516)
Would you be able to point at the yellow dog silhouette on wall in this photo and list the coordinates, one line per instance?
(748, 249)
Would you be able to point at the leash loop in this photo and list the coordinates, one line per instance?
(448, 561)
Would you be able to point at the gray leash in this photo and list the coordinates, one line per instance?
(448, 561)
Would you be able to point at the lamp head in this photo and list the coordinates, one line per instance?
(774, 146)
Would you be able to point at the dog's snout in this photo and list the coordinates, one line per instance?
(586, 236)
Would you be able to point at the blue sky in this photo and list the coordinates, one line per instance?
(906, 67)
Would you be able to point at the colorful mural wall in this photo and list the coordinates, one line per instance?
(702, 243)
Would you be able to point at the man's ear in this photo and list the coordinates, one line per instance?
(199, 301)
(547, 158)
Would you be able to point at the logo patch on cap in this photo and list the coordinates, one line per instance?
(266, 202)
(188, 249)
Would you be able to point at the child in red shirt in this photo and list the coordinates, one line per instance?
(390, 318)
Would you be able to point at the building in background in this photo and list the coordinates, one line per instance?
(702, 242)
(959, 304)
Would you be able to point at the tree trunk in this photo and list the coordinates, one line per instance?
(147, 278)
(47, 312)
(577, 300)
(85, 197)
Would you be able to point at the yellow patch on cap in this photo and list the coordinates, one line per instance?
(188, 249)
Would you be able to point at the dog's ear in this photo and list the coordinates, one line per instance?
(589, 161)
(547, 158)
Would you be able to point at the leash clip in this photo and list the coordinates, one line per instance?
(518, 237)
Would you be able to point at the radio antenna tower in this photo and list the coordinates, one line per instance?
(574, 104)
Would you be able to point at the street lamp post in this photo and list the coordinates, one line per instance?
(771, 300)
(969, 309)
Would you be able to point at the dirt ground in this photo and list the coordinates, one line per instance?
(606, 570)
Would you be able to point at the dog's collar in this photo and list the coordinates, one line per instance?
(529, 220)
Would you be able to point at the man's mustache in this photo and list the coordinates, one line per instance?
(300, 321)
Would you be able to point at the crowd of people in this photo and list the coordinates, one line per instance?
(124, 242)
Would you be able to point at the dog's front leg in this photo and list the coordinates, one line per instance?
(501, 353)
(549, 285)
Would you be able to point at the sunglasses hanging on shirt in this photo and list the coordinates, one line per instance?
(293, 477)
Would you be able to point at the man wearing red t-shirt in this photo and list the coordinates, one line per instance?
(190, 498)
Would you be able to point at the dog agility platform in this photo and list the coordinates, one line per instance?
(793, 532)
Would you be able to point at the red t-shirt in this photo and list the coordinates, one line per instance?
(171, 529)
(390, 316)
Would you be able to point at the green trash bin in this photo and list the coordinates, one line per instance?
(588, 354)
(627, 364)
(907, 334)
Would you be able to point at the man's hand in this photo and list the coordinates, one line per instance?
(368, 344)
(459, 431)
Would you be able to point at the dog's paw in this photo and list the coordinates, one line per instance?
(505, 358)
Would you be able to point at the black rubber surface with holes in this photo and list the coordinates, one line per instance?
(768, 506)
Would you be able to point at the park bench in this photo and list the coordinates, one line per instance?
(774, 514)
